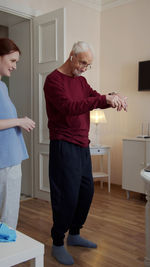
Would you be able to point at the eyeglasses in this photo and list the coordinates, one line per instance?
(83, 64)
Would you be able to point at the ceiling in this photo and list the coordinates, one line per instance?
(102, 4)
(9, 19)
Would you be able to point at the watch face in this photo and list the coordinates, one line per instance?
(113, 93)
(147, 169)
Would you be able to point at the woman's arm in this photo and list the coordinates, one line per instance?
(25, 123)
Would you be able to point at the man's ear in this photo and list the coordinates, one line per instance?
(71, 55)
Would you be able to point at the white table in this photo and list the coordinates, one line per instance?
(136, 155)
(23, 249)
(146, 178)
(101, 151)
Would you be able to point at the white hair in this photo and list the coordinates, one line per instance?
(81, 46)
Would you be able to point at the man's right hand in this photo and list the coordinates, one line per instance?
(117, 101)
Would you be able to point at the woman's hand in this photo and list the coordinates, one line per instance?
(26, 123)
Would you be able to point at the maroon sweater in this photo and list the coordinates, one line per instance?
(68, 102)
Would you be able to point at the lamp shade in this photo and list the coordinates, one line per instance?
(97, 116)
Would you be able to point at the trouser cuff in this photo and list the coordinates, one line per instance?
(74, 231)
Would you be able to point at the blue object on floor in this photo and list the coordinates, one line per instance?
(7, 234)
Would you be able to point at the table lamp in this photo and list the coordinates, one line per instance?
(97, 116)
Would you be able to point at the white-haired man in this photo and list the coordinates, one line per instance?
(69, 99)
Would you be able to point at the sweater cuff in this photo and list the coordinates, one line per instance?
(103, 102)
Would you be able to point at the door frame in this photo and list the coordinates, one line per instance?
(28, 14)
(31, 15)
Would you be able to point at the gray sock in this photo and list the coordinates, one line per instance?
(77, 240)
(62, 255)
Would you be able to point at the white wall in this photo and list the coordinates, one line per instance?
(125, 40)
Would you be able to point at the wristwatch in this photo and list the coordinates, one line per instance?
(113, 93)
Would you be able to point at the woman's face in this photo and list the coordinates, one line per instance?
(8, 63)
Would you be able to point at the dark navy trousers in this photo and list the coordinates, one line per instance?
(71, 186)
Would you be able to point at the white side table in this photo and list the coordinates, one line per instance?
(23, 249)
(101, 151)
(146, 178)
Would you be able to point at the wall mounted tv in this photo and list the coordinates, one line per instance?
(144, 76)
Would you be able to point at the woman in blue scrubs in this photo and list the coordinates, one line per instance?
(12, 146)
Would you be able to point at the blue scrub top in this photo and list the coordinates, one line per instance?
(12, 146)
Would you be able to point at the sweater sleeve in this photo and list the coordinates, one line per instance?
(94, 93)
(55, 95)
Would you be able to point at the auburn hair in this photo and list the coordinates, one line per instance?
(7, 46)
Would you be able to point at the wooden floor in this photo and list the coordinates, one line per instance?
(114, 223)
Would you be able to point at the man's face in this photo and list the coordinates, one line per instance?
(81, 62)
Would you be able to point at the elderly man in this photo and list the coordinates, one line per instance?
(69, 99)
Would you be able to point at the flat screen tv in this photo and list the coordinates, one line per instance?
(144, 76)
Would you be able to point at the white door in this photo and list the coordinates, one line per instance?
(49, 53)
